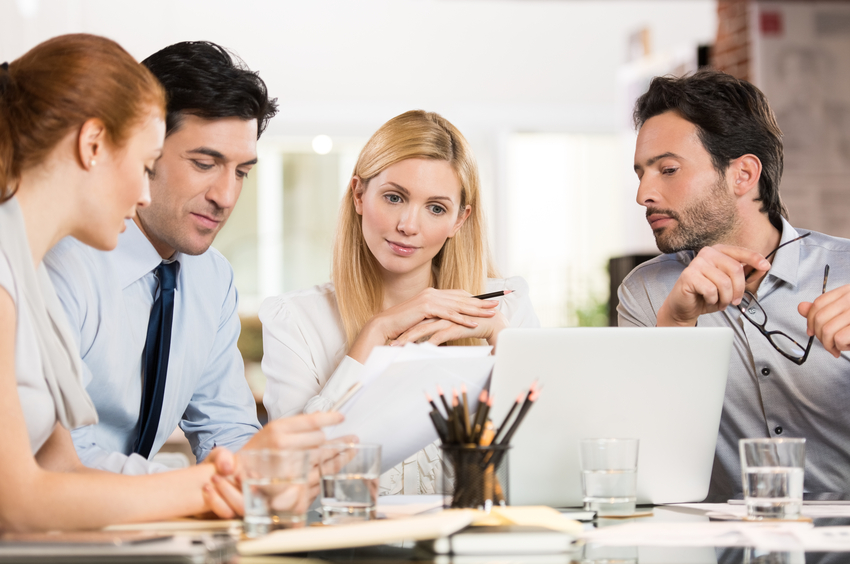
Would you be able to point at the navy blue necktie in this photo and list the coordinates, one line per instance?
(155, 357)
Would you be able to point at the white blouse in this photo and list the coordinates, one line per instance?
(307, 369)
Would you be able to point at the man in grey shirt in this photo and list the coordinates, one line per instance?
(709, 160)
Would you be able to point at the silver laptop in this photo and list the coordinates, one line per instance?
(663, 386)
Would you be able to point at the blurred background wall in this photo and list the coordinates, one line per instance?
(543, 90)
(534, 85)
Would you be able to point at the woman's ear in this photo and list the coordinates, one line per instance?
(91, 143)
(357, 188)
(460, 219)
(745, 173)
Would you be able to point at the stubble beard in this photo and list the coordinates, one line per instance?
(160, 226)
(707, 222)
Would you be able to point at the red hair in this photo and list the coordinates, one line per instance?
(60, 84)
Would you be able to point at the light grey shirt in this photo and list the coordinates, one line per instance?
(767, 395)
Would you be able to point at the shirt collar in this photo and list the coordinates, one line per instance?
(135, 256)
(786, 261)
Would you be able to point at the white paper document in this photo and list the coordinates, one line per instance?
(739, 511)
(390, 409)
(773, 536)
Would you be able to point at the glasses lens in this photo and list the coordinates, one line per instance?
(751, 308)
(787, 345)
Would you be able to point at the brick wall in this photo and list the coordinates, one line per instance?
(731, 52)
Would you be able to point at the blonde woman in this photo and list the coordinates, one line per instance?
(410, 252)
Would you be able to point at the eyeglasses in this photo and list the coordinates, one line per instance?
(752, 310)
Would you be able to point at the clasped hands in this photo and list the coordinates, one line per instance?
(223, 493)
(435, 316)
(716, 279)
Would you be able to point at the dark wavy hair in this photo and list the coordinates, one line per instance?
(204, 79)
(732, 117)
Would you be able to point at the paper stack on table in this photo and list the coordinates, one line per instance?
(390, 409)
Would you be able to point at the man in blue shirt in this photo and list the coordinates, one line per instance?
(156, 319)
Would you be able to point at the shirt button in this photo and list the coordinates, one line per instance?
(778, 430)
(765, 371)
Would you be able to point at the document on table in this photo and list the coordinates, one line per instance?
(739, 511)
(390, 409)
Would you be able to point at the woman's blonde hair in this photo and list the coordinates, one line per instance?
(463, 262)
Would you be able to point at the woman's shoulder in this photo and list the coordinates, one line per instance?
(315, 302)
(516, 306)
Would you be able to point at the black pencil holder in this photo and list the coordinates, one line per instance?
(475, 476)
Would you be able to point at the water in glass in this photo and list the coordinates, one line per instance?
(349, 497)
(271, 503)
(610, 492)
(773, 492)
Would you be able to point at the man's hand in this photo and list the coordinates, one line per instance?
(714, 280)
(828, 318)
(298, 432)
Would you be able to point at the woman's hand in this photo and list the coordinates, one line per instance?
(223, 495)
(441, 331)
(454, 306)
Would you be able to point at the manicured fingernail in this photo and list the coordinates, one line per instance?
(765, 265)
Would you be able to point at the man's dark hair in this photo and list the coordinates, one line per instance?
(203, 79)
(732, 118)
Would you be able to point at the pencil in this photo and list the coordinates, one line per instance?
(433, 405)
(347, 396)
(504, 426)
(493, 295)
(532, 397)
(487, 434)
(445, 403)
(479, 421)
(440, 425)
(465, 410)
(456, 418)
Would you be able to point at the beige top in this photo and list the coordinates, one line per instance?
(307, 369)
(47, 365)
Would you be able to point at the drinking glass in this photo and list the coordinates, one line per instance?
(349, 475)
(772, 473)
(609, 476)
(275, 489)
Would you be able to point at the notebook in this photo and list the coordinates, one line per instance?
(663, 386)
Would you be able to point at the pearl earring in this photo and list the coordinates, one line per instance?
(93, 162)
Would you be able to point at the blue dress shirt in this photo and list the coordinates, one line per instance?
(108, 298)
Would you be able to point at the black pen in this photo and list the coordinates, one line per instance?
(493, 295)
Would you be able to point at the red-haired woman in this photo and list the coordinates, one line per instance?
(81, 124)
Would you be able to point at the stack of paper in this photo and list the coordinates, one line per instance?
(390, 409)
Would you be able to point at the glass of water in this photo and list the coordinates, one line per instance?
(772, 472)
(275, 489)
(349, 475)
(609, 476)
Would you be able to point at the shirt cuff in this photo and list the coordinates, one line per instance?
(346, 375)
